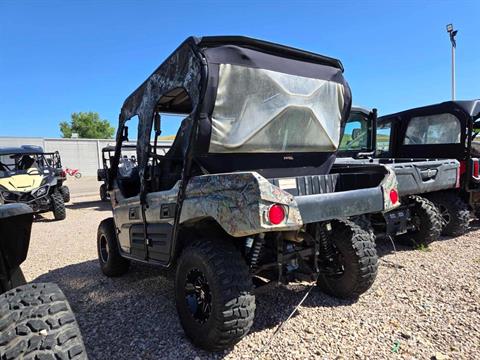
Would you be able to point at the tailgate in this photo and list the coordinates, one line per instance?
(425, 176)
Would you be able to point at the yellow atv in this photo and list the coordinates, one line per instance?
(27, 177)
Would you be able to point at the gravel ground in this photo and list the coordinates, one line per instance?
(424, 304)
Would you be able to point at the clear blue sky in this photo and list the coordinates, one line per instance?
(59, 57)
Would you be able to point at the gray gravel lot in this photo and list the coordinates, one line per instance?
(423, 304)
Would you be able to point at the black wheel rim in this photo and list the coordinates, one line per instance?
(198, 295)
(445, 214)
(103, 249)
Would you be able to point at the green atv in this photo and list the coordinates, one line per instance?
(26, 176)
(36, 320)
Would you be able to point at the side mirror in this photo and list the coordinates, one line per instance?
(356, 133)
(157, 123)
(125, 134)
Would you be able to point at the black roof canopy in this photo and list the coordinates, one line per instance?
(22, 150)
(186, 83)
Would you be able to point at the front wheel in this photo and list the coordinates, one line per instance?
(78, 175)
(213, 294)
(65, 191)
(111, 262)
(355, 261)
(58, 206)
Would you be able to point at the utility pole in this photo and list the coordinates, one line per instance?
(452, 34)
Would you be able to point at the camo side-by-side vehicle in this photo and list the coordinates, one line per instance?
(247, 195)
(27, 177)
(419, 179)
(36, 320)
(441, 131)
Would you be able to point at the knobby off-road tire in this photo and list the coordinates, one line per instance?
(426, 219)
(365, 224)
(58, 206)
(16, 279)
(78, 175)
(454, 211)
(111, 262)
(357, 255)
(103, 192)
(36, 322)
(65, 191)
(226, 314)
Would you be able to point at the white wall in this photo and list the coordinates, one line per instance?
(82, 154)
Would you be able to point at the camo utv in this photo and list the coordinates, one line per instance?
(246, 196)
(26, 176)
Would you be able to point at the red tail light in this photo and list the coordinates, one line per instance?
(463, 167)
(276, 214)
(64, 173)
(475, 169)
(393, 196)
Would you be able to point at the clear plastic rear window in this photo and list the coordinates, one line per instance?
(259, 110)
(433, 129)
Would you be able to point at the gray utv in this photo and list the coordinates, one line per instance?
(418, 221)
(36, 321)
(246, 196)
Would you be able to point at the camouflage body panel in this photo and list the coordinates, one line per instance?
(239, 202)
(389, 183)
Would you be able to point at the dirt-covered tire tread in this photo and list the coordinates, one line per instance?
(58, 206)
(230, 280)
(357, 245)
(65, 191)
(430, 223)
(459, 212)
(116, 265)
(36, 322)
(103, 192)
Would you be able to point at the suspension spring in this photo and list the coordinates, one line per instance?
(256, 250)
(326, 248)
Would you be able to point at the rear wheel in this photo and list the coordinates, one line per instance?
(103, 192)
(213, 294)
(355, 259)
(38, 323)
(426, 222)
(65, 191)
(111, 262)
(454, 211)
(58, 205)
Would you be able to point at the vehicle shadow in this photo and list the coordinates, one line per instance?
(90, 204)
(41, 219)
(134, 316)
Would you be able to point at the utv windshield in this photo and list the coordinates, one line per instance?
(15, 164)
(258, 110)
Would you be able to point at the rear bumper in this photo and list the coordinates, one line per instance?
(314, 208)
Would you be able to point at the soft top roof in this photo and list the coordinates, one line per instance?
(470, 108)
(182, 58)
(24, 149)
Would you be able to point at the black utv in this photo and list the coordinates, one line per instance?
(36, 321)
(420, 179)
(246, 196)
(27, 177)
(55, 161)
(442, 131)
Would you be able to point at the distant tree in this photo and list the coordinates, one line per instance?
(87, 125)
